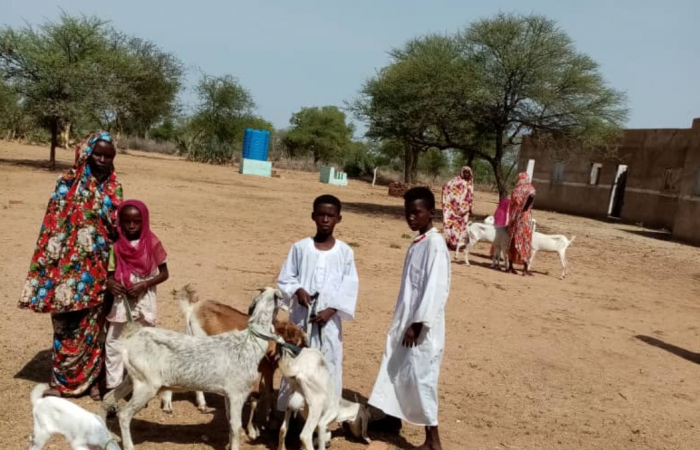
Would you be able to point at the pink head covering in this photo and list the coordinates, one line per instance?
(141, 259)
(500, 217)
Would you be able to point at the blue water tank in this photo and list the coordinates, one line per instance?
(255, 144)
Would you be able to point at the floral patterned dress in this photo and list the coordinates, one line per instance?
(457, 203)
(68, 270)
(520, 226)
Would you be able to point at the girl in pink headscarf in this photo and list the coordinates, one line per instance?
(137, 265)
(457, 205)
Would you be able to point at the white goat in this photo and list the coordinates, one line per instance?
(551, 243)
(498, 236)
(209, 318)
(53, 415)
(313, 394)
(227, 364)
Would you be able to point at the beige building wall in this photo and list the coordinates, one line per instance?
(659, 189)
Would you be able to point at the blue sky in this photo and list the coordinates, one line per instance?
(295, 53)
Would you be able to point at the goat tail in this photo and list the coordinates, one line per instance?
(573, 238)
(130, 329)
(38, 392)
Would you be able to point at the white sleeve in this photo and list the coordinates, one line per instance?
(288, 280)
(436, 287)
(345, 299)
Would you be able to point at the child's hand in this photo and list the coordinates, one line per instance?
(116, 288)
(137, 290)
(410, 338)
(324, 316)
(303, 297)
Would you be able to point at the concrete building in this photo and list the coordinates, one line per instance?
(653, 179)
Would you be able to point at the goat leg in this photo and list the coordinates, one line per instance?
(310, 426)
(140, 396)
(166, 402)
(283, 429)
(562, 259)
(234, 408)
(250, 427)
(38, 439)
(112, 398)
(202, 403)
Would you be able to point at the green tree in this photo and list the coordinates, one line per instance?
(482, 90)
(216, 129)
(143, 83)
(432, 162)
(323, 132)
(223, 107)
(14, 120)
(55, 69)
(411, 99)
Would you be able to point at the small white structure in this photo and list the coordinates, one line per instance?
(255, 167)
(330, 176)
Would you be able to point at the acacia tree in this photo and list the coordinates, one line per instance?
(216, 129)
(80, 69)
(490, 85)
(55, 69)
(14, 120)
(143, 83)
(223, 105)
(323, 132)
(406, 101)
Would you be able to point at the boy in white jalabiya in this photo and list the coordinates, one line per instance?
(325, 266)
(407, 384)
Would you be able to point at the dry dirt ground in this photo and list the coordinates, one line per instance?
(603, 360)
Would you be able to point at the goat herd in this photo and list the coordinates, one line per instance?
(224, 351)
(500, 239)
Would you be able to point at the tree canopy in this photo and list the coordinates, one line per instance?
(323, 132)
(480, 91)
(80, 69)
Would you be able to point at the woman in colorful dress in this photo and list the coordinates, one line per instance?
(68, 271)
(457, 204)
(520, 226)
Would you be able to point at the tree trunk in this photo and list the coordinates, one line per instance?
(497, 165)
(470, 159)
(54, 144)
(374, 179)
(410, 171)
(66, 136)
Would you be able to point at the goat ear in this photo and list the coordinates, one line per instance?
(278, 294)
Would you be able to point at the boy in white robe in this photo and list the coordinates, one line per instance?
(407, 384)
(325, 266)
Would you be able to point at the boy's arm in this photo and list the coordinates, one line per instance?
(434, 295)
(436, 287)
(288, 279)
(345, 299)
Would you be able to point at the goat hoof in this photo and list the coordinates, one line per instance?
(206, 410)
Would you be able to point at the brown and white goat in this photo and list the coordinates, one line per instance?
(209, 318)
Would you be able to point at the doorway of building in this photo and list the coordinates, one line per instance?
(617, 193)
(530, 168)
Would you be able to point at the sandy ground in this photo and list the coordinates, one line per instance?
(605, 359)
